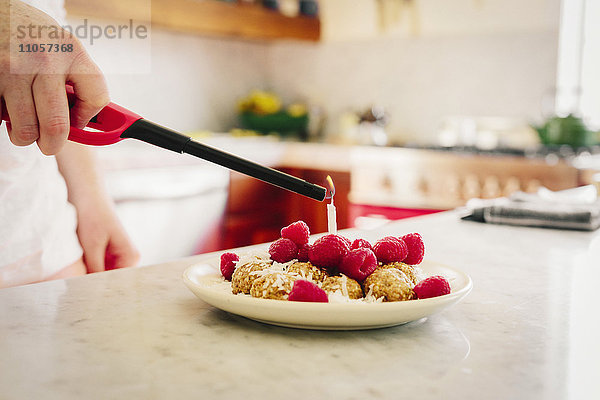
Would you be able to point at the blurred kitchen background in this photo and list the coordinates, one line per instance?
(412, 106)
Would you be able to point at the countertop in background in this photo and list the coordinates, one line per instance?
(270, 150)
(528, 330)
(261, 149)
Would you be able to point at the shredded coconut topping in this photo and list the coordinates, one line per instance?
(370, 298)
(345, 285)
(274, 268)
(253, 257)
(281, 272)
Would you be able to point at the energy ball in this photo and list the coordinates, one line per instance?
(308, 271)
(347, 286)
(413, 273)
(276, 286)
(244, 275)
(389, 283)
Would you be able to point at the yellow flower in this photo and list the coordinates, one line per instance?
(297, 110)
(260, 102)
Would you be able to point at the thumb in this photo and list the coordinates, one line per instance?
(90, 91)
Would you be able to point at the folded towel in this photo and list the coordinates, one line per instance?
(570, 209)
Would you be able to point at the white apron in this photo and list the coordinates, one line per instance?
(37, 224)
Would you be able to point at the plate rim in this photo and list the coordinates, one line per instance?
(345, 308)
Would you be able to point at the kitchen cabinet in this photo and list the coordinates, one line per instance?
(376, 19)
(256, 211)
(313, 212)
(212, 18)
(424, 179)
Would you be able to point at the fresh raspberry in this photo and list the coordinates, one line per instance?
(361, 243)
(345, 239)
(307, 291)
(432, 287)
(328, 251)
(303, 252)
(416, 248)
(297, 232)
(228, 261)
(283, 250)
(390, 249)
(358, 264)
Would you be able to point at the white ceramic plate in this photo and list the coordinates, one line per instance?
(206, 282)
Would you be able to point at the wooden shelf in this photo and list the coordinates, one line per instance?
(204, 17)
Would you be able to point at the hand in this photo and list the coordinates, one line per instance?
(105, 243)
(32, 84)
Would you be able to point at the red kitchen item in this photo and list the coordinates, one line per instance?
(115, 123)
(386, 213)
(111, 122)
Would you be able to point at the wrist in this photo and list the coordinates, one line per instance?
(85, 188)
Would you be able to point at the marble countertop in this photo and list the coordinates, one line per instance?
(528, 330)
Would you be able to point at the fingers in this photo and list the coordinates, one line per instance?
(3, 112)
(52, 109)
(38, 107)
(120, 253)
(108, 247)
(23, 127)
(91, 92)
(39, 110)
(93, 255)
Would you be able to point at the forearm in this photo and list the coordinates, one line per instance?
(77, 165)
(105, 243)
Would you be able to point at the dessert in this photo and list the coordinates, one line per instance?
(245, 274)
(347, 287)
(274, 285)
(389, 283)
(297, 232)
(228, 261)
(432, 287)
(415, 247)
(358, 263)
(307, 271)
(414, 274)
(390, 249)
(333, 269)
(303, 252)
(361, 243)
(328, 251)
(308, 292)
(283, 250)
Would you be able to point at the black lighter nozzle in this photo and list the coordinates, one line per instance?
(266, 174)
(157, 135)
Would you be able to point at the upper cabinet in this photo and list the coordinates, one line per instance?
(344, 20)
(338, 20)
(206, 17)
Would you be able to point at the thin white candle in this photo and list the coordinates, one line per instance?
(331, 213)
(331, 218)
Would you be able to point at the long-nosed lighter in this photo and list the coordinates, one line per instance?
(115, 123)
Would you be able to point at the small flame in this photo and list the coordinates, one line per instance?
(331, 188)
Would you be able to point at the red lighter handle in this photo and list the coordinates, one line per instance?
(111, 121)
